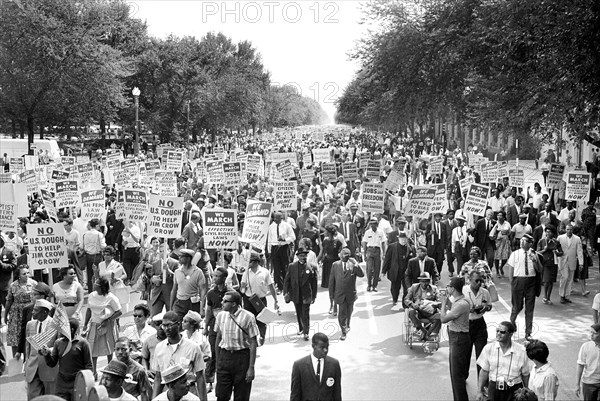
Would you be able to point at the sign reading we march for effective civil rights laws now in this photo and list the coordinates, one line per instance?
(220, 229)
(578, 186)
(477, 197)
(47, 246)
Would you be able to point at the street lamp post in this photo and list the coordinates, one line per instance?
(136, 96)
(187, 126)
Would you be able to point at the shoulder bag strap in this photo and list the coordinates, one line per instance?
(238, 325)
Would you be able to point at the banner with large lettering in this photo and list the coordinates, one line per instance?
(516, 177)
(328, 172)
(373, 169)
(8, 216)
(220, 229)
(136, 205)
(349, 171)
(373, 196)
(93, 204)
(285, 169)
(477, 198)
(489, 172)
(232, 174)
(285, 195)
(256, 224)
(421, 202)
(578, 186)
(440, 202)
(165, 216)
(47, 246)
(175, 160)
(165, 183)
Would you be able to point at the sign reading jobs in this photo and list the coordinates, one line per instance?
(165, 216)
(220, 229)
(47, 246)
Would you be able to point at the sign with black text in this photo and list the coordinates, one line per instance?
(220, 229)
(476, 201)
(256, 224)
(47, 246)
(165, 216)
(373, 196)
(578, 186)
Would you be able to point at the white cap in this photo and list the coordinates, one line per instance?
(42, 303)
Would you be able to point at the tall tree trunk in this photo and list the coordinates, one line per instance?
(30, 134)
(41, 131)
(14, 128)
(21, 129)
(102, 132)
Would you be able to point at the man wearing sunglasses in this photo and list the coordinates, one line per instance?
(480, 302)
(504, 366)
(178, 350)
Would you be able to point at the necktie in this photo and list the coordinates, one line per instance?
(345, 269)
(526, 267)
(39, 330)
(277, 232)
(319, 370)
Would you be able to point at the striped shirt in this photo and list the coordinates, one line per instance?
(232, 336)
(185, 353)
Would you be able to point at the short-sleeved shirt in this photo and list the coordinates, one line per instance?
(103, 306)
(148, 348)
(233, 338)
(186, 353)
(257, 283)
(596, 303)
(374, 238)
(520, 230)
(511, 365)
(461, 323)
(164, 397)
(518, 259)
(589, 358)
(190, 285)
(476, 300)
(214, 299)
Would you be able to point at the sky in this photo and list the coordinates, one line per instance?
(302, 43)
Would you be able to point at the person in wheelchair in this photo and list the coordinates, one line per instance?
(423, 303)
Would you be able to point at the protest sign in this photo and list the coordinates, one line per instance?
(307, 159)
(66, 193)
(420, 202)
(119, 205)
(307, 175)
(394, 180)
(175, 160)
(60, 175)
(214, 171)
(285, 169)
(279, 157)
(146, 178)
(5, 178)
(349, 171)
(578, 186)
(476, 200)
(31, 162)
(363, 160)
(232, 174)
(285, 194)
(502, 167)
(47, 246)
(48, 200)
(256, 224)
(16, 165)
(254, 161)
(328, 172)
(68, 160)
(93, 204)
(555, 175)
(516, 177)
(435, 165)
(373, 169)
(85, 171)
(489, 172)
(8, 216)
(373, 195)
(165, 216)
(440, 201)
(29, 177)
(135, 203)
(465, 183)
(321, 155)
(220, 229)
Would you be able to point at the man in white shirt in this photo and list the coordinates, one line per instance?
(374, 244)
(72, 236)
(459, 242)
(132, 236)
(567, 263)
(279, 238)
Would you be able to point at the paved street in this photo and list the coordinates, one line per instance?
(376, 365)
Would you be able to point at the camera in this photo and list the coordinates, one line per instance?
(443, 292)
(500, 385)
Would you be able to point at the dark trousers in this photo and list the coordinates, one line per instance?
(460, 344)
(396, 285)
(590, 391)
(163, 300)
(438, 256)
(303, 316)
(211, 365)
(508, 394)
(373, 266)
(3, 295)
(345, 310)
(131, 258)
(416, 316)
(279, 260)
(91, 260)
(489, 255)
(182, 307)
(262, 328)
(478, 335)
(460, 261)
(231, 375)
(523, 288)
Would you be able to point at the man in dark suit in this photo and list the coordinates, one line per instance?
(186, 216)
(192, 232)
(300, 287)
(342, 287)
(350, 232)
(395, 264)
(482, 236)
(437, 240)
(317, 376)
(513, 211)
(422, 263)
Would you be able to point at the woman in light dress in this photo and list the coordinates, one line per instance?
(500, 233)
(69, 291)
